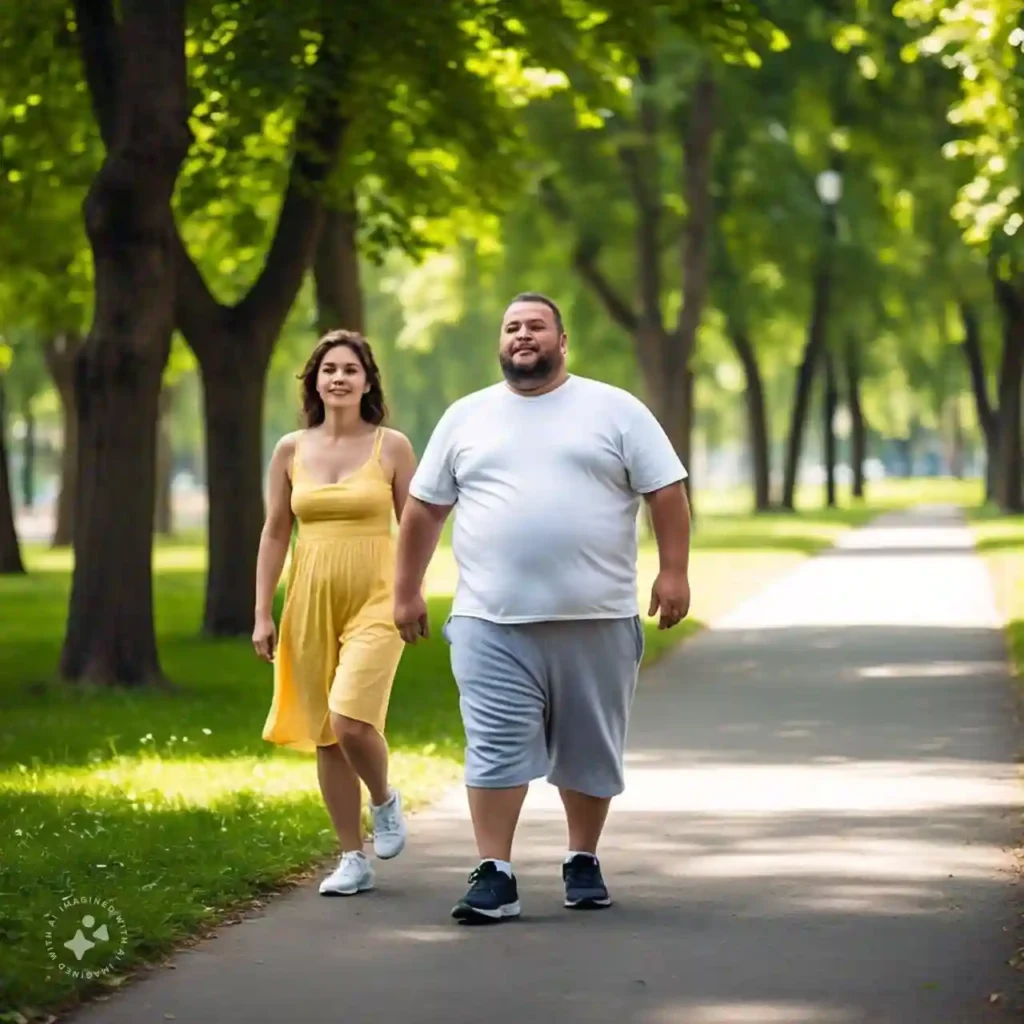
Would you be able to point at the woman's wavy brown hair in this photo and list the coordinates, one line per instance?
(372, 407)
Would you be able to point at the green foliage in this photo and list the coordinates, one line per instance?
(48, 155)
(983, 42)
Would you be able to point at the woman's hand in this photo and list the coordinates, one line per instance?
(264, 637)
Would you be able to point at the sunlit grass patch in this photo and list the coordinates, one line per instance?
(1000, 541)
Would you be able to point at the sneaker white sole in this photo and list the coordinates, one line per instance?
(463, 912)
(352, 891)
(587, 904)
(386, 852)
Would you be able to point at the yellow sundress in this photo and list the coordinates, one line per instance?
(338, 648)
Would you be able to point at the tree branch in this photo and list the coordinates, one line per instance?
(585, 254)
(585, 261)
(317, 143)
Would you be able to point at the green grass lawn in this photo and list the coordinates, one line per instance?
(172, 806)
(1000, 541)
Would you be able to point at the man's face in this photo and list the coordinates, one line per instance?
(532, 348)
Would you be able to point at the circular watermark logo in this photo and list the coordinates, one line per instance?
(86, 937)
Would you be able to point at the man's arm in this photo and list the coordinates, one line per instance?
(670, 516)
(418, 534)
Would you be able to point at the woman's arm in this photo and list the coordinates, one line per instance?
(402, 459)
(274, 541)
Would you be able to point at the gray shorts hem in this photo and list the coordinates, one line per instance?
(490, 781)
(597, 792)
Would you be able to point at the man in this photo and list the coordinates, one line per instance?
(545, 473)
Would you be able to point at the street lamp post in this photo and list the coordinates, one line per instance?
(830, 190)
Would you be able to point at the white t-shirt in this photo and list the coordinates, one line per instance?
(546, 492)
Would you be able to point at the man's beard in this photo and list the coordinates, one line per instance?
(541, 368)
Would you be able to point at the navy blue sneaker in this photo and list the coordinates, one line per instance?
(584, 886)
(492, 896)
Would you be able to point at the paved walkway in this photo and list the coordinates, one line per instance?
(822, 802)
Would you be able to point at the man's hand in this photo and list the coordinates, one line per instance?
(411, 618)
(670, 593)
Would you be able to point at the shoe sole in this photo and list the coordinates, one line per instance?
(587, 904)
(390, 856)
(366, 887)
(474, 915)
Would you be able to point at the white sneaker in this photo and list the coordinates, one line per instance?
(353, 874)
(389, 829)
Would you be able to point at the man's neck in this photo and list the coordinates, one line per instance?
(542, 388)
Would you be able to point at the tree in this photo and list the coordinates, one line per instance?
(981, 40)
(110, 636)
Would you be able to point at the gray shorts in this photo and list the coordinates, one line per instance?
(546, 699)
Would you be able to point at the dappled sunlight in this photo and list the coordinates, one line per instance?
(147, 782)
(926, 671)
(887, 786)
(842, 858)
(858, 897)
(687, 1012)
(426, 933)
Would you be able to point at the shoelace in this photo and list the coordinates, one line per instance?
(388, 819)
(474, 875)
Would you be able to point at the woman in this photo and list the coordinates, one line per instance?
(338, 650)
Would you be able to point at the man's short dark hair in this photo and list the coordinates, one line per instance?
(544, 300)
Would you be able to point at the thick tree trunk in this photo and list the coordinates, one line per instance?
(110, 636)
(60, 361)
(339, 293)
(812, 350)
(667, 397)
(10, 552)
(163, 521)
(757, 419)
(858, 428)
(28, 459)
(979, 385)
(829, 405)
(234, 485)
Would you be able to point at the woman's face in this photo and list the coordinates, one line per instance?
(341, 379)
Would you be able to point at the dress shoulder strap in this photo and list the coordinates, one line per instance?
(378, 441)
